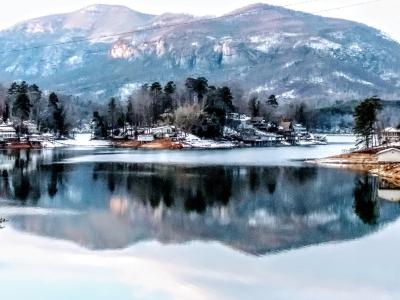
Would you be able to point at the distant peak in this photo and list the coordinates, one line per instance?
(253, 7)
(104, 8)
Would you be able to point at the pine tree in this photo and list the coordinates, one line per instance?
(272, 101)
(112, 107)
(57, 116)
(254, 106)
(155, 91)
(21, 107)
(130, 115)
(35, 95)
(365, 117)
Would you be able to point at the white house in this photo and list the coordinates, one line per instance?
(390, 135)
(164, 131)
(391, 155)
(7, 132)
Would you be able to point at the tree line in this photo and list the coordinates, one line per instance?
(195, 106)
(22, 103)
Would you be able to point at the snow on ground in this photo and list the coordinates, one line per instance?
(192, 141)
(81, 140)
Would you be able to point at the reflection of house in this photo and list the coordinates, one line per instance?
(391, 155)
(390, 135)
(7, 132)
(389, 195)
(389, 191)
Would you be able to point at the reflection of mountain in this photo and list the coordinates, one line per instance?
(253, 209)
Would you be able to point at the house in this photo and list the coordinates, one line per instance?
(285, 126)
(390, 135)
(7, 132)
(286, 130)
(391, 155)
(164, 131)
(300, 130)
(257, 137)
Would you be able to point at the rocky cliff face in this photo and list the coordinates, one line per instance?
(261, 47)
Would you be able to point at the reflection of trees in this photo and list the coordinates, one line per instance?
(158, 202)
(5, 190)
(254, 179)
(366, 204)
(28, 177)
(56, 179)
(302, 175)
(191, 188)
(195, 202)
(271, 176)
(21, 180)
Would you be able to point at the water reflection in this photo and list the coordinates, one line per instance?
(366, 204)
(253, 209)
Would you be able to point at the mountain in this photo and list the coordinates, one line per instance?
(259, 47)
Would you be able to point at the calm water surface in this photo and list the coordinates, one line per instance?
(240, 224)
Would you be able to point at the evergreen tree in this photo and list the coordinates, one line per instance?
(197, 86)
(35, 96)
(272, 101)
(254, 106)
(169, 90)
(365, 117)
(130, 114)
(112, 108)
(56, 120)
(21, 106)
(217, 106)
(100, 127)
(6, 112)
(156, 92)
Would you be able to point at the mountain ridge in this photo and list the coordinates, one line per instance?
(262, 47)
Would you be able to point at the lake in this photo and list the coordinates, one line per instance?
(254, 223)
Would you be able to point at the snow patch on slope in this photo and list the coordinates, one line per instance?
(322, 44)
(347, 77)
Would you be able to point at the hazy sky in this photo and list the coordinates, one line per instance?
(382, 14)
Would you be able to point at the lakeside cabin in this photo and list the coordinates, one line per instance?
(391, 155)
(390, 135)
(7, 132)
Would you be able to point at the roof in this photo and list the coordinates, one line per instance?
(391, 129)
(286, 125)
(388, 150)
(257, 119)
(6, 128)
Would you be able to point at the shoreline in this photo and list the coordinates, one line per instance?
(364, 162)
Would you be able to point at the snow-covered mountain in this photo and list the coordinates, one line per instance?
(261, 47)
